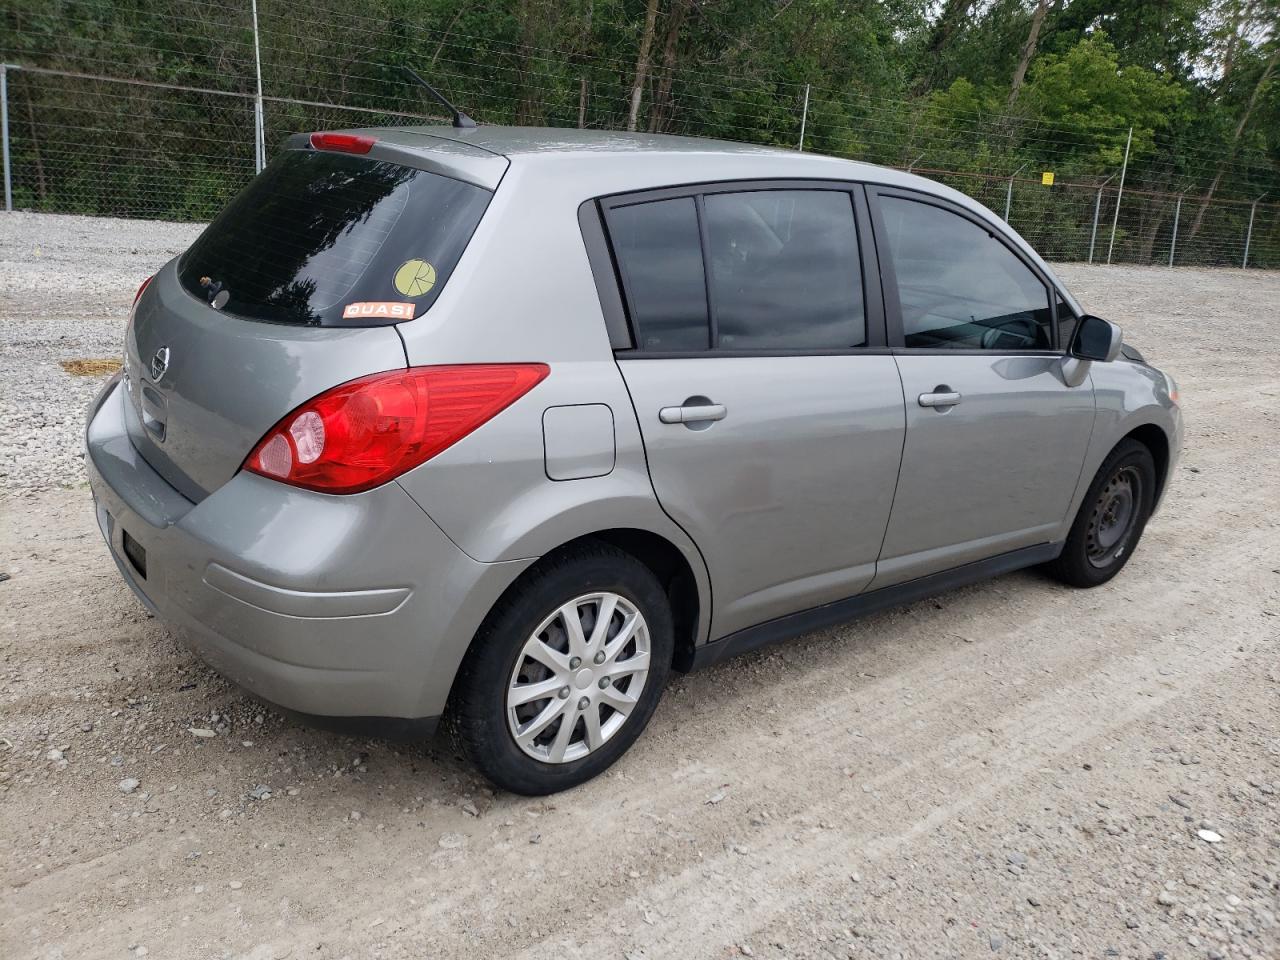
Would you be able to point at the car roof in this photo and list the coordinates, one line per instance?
(514, 142)
(635, 156)
(642, 157)
(698, 157)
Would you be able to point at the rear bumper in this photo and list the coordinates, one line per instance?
(352, 606)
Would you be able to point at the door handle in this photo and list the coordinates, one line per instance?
(940, 399)
(693, 413)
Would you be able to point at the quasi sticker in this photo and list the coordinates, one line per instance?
(415, 277)
(378, 309)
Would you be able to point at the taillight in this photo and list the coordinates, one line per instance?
(128, 326)
(363, 433)
(342, 142)
(141, 287)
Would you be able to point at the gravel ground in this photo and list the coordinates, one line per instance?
(66, 284)
(1013, 769)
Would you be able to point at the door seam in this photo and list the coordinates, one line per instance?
(902, 456)
(644, 452)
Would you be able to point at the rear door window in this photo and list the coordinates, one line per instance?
(331, 239)
(781, 273)
(784, 270)
(660, 256)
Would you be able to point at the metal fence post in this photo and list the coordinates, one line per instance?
(1173, 241)
(1008, 197)
(804, 118)
(1119, 193)
(4, 135)
(1097, 208)
(1249, 236)
(259, 130)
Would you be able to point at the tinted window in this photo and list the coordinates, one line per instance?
(784, 270)
(959, 286)
(660, 256)
(318, 231)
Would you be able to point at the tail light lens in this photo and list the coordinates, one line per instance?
(361, 434)
(128, 326)
(141, 287)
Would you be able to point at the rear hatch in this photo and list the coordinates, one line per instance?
(293, 289)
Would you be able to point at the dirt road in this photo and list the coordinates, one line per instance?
(1014, 768)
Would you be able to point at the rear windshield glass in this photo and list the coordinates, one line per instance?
(334, 240)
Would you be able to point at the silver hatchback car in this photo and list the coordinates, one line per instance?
(505, 424)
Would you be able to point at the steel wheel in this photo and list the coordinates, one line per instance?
(578, 678)
(1114, 517)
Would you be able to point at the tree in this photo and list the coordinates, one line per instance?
(948, 25)
(1028, 49)
(642, 63)
(1091, 102)
(1263, 78)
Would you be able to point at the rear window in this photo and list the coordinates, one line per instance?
(334, 240)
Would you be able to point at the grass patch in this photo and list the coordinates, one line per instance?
(90, 368)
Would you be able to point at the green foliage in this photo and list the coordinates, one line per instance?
(1090, 98)
(901, 82)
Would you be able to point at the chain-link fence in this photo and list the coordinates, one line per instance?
(111, 138)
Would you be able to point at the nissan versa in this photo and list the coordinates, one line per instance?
(505, 424)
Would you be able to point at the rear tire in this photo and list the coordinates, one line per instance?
(541, 706)
(1111, 519)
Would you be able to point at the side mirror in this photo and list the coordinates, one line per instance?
(1097, 339)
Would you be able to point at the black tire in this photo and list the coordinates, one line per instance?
(1112, 517)
(478, 715)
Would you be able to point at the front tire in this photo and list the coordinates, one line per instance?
(1111, 520)
(565, 672)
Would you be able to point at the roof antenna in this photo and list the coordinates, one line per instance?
(460, 119)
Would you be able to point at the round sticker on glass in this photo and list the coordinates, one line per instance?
(415, 277)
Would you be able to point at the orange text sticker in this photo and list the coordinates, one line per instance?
(376, 309)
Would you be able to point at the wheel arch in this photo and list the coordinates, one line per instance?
(673, 570)
(1153, 437)
(683, 579)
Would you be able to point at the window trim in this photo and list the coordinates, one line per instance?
(889, 276)
(872, 295)
(603, 272)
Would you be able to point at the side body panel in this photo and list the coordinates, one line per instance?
(1128, 395)
(995, 472)
(789, 494)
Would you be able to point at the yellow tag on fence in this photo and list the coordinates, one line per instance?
(1046, 179)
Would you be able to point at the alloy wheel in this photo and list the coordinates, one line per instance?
(578, 677)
